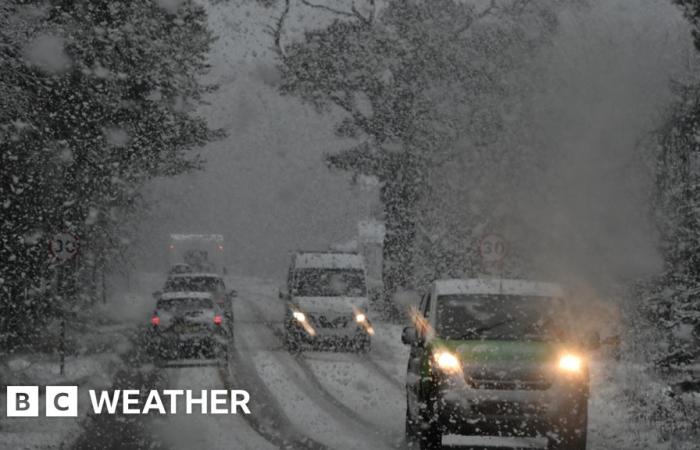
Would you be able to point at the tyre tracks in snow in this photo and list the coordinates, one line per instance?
(267, 422)
(306, 380)
(375, 367)
(275, 427)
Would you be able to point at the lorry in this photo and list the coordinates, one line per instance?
(201, 252)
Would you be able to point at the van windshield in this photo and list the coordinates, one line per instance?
(324, 282)
(499, 317)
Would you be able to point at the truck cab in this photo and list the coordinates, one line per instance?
(495, 357)
(327, 302)
(199, 252)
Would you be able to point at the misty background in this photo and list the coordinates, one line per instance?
(595, 93)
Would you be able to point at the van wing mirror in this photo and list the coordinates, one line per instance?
(409, 336)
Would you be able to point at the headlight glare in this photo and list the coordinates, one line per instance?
(570, 363)
(360, 318)
(299, 316)
(447, 362)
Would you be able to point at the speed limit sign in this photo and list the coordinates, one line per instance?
(63, 246)
(492, 248)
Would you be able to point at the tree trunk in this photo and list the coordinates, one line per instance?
(399, 195)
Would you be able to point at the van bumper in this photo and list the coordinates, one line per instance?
(462, 410)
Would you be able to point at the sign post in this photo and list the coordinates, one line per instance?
(63, 247)
(492, 249)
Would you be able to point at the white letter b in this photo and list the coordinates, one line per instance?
(22, 401)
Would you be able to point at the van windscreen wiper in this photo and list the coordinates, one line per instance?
(476, 332)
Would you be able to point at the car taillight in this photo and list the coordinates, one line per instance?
(155, 321)
(217, 320)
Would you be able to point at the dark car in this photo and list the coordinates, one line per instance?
(210, 283)
(189, 325)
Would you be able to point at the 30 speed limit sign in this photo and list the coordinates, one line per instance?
(492, 248)
(63, 246)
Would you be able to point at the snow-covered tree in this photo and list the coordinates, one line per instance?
(691, 10)
(97, 97)
(671, 302)
(417, 80)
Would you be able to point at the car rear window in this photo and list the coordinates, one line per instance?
(193, 284)
(185, 303)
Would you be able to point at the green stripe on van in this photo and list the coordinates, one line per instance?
(499, 351)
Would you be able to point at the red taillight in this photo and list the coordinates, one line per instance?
(155, 321)
(217, 320)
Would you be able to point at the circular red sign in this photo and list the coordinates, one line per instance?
(492, 248)
(64, 246)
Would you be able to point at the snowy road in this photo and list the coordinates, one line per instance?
(342, 400)
(312, 400)
(319, 400)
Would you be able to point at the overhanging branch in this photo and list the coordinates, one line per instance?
(328, 8)
(354, 12)
(276, 31)
(488, 10)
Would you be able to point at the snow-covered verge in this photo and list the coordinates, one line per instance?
(637, 401)
(630, 408)
(100, 342)
(87, 371)
(657, 379)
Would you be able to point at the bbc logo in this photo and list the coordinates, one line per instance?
(61, 401)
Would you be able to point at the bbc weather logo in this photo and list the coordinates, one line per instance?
(61, 401)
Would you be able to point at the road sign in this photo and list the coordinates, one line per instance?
(64, 246)
(492, 248)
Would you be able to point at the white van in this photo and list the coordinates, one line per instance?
(327, 302)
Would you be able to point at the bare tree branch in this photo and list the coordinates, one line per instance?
(366, 20)
(360, 119)
(328, 8)
(490, 9)
(354, 12)
(276, 31)
(373, 11)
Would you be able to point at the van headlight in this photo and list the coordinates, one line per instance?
(299, 316)
(570, 363)
(447, 361)
(360, 318)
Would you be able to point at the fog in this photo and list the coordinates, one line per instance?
(604, 86)
(265, 186)
(596, 92)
